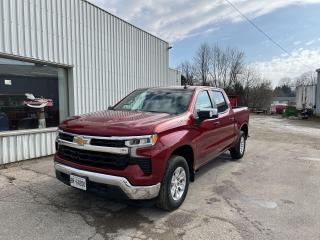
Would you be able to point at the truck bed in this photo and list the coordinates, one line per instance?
(241, 115)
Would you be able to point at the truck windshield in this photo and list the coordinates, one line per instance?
(156, 100)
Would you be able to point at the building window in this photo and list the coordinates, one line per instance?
(32, 95)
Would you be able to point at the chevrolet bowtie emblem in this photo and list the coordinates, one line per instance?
(80, 140)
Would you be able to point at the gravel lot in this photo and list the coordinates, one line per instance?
(272, 193)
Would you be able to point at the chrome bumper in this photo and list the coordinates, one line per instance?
(133, 192)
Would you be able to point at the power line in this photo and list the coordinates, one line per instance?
(261, 31)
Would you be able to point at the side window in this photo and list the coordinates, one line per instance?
(203, 101)
(220, 101)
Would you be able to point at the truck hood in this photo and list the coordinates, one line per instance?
(115, 123)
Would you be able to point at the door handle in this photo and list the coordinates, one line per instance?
(232, 118)
(216, 123)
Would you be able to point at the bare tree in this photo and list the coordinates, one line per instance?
(202, 62)
(307, 78)
(286, 81)
(285, 88)
(226, 68)
(248, 79)
(226, 65)
(236, 66)
(219, 66)
(188, 70)
(261, 95)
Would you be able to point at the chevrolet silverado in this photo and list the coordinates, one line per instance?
(151, 143)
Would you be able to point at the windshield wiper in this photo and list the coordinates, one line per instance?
(142, 110)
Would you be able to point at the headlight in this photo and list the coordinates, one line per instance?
(142, 141)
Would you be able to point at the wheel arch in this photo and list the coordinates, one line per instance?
(187, 152)
(245, 128)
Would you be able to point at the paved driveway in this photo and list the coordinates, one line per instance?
(272, 193)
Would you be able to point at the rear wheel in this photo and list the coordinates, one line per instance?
(175, 184)
(238, 150)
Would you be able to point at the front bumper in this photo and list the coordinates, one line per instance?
(132, 192)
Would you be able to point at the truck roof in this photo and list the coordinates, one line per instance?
(183, 87)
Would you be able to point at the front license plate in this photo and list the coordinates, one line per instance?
(78, 182)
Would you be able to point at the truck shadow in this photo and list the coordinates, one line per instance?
(116, 198)
(215, 163)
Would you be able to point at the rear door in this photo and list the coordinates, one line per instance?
(225, 134)
(207, 138)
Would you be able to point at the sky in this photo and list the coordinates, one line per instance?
(186, 24)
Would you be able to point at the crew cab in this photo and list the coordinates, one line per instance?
(151, 143)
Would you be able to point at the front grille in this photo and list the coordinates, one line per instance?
(66, 137)
(102, 159)
(107, 143)
(95, 141)
(92, 158)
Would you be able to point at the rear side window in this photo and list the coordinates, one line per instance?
(203, 101)
(220, 101)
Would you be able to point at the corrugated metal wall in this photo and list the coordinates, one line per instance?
(107, 56)
(26, 145)
(318, 95)
(174, 76)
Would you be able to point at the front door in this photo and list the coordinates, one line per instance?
(226, 132)
(206, 141)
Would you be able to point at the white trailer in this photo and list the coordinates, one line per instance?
(306, 97)
(318, 94)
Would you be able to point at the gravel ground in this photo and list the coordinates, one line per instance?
(272, 193)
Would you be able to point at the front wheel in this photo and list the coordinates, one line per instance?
(175, 184)
(238, 150)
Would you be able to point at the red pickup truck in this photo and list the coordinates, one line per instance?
(151, 143)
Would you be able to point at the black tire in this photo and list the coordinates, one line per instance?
(165, 199)
(235, 151)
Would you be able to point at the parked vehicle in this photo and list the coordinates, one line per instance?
(306, 100)
(151, 143)
(259, 110)
(233, 100)
(306, 97)
(278, 108)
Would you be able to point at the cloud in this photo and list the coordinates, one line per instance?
(297, 43)
(176, 20)
(310, 42)
(300, 61)
(204, 32)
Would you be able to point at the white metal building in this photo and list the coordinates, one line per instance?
(175, 75)
(318, 94)
(74, 58)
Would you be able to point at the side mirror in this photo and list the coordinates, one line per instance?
(110, 108)
(208, 113)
